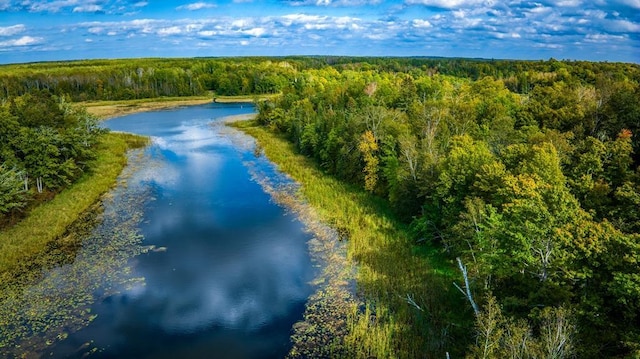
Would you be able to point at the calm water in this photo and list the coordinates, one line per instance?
(230, 271)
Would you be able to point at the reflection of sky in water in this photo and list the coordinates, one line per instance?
(234, 275)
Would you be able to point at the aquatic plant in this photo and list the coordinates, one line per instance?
(52, 298)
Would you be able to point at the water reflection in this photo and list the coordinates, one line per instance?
(229, 272)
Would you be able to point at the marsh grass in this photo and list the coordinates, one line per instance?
(108, 109)
(243, 98)
(392, 272)
(115, 108)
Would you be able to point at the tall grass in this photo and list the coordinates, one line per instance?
(21, 244)
(412, 309)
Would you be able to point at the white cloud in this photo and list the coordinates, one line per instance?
(419, 23)
(602, 38)
(569, 3)
(334, 3)
(173, 30)
(87, 8)
(27, 40)
(75, 6)
(459, 14)
(448, 4)
(631, 3)
(481, 24)
(257, 32)
(207, 33)
(23, 41)
(49, 6)
(96, 30)
(315, 22)
(196, 6)
(241, 23)
(12, 30)
(301, 18)
(623, 26)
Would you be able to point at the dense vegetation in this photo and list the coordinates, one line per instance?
(45, 145)
(527, 172)
(145, 78)
(530, 180)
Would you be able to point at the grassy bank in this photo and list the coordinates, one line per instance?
(22, 244)
(242, 98)
(108, 109)
(412, 308)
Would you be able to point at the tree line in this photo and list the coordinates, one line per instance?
(145, 78)
(531, 180)
(149, 78)
(45, 145)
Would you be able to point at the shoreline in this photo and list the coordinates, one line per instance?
(111, 109)
(28, 241)
(238, 118)
(396, 282)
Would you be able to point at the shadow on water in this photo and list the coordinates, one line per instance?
(192, 257)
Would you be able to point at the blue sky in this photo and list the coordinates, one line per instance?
(598, 30)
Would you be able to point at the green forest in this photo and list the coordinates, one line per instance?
(524, 175)
(45, 145)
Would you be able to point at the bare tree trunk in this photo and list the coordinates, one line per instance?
(467, 290)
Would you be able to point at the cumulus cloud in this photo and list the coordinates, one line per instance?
(196, 6)
(623, 26)
(257, 31)
(22, 41)
(483, 28)
(88, 8)
(173, 30)
(317, 22)
(335, 3)
(631, 3)
(447, 4)
(602, 38)
(12, 30)
(421, 23)
(74, 6)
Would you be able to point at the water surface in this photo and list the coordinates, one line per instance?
(229, 271)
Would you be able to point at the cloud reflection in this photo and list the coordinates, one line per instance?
(234, 261)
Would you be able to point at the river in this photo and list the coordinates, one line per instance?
(220, 270)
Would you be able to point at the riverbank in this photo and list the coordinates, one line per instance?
(110, 109)
(411, 307)
(24, 245)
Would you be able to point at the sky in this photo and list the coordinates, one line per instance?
(594, 30)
